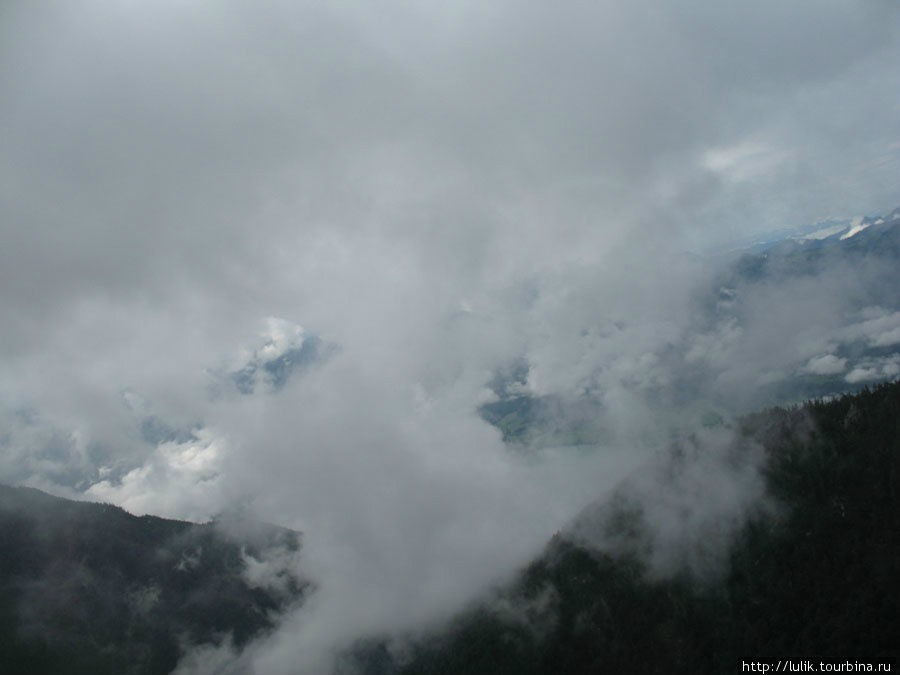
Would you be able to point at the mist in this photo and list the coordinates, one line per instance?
(194, 191)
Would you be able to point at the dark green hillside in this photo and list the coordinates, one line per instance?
(89, 588)
(817, 578)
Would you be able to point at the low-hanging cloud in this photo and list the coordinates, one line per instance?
(680, 513)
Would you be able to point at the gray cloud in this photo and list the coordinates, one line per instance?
(680, 512)
(438, 190)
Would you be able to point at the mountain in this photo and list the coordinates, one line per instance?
(816, 234)
(814, 576)
(90, 588)
(856, 240)
(812, 572)
(273, 367)
(793, 318)
(808, 568)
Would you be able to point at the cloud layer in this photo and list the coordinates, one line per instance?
(437, 191)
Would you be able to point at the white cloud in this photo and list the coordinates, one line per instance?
(862, 375)
(887, 367)
(179, 480)
(280, 336)
(745, 160)
(829, 364)
(880, 327)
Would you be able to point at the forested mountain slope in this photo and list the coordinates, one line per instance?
(90, 588)
(815, 576)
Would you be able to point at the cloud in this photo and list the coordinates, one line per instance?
(880, 327)
(744, 161)
(875, 369)
(679, 513)
(178, 480)
(177, 173)
(829, 364)
(861, 375)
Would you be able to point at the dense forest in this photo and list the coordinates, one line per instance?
(89, 588)
(816, 578)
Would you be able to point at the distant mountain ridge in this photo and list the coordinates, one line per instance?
(864, 251)
(855, 235)
(815, 234)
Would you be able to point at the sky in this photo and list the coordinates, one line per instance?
(433, 190)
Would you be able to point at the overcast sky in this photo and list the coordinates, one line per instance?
(436, 188)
